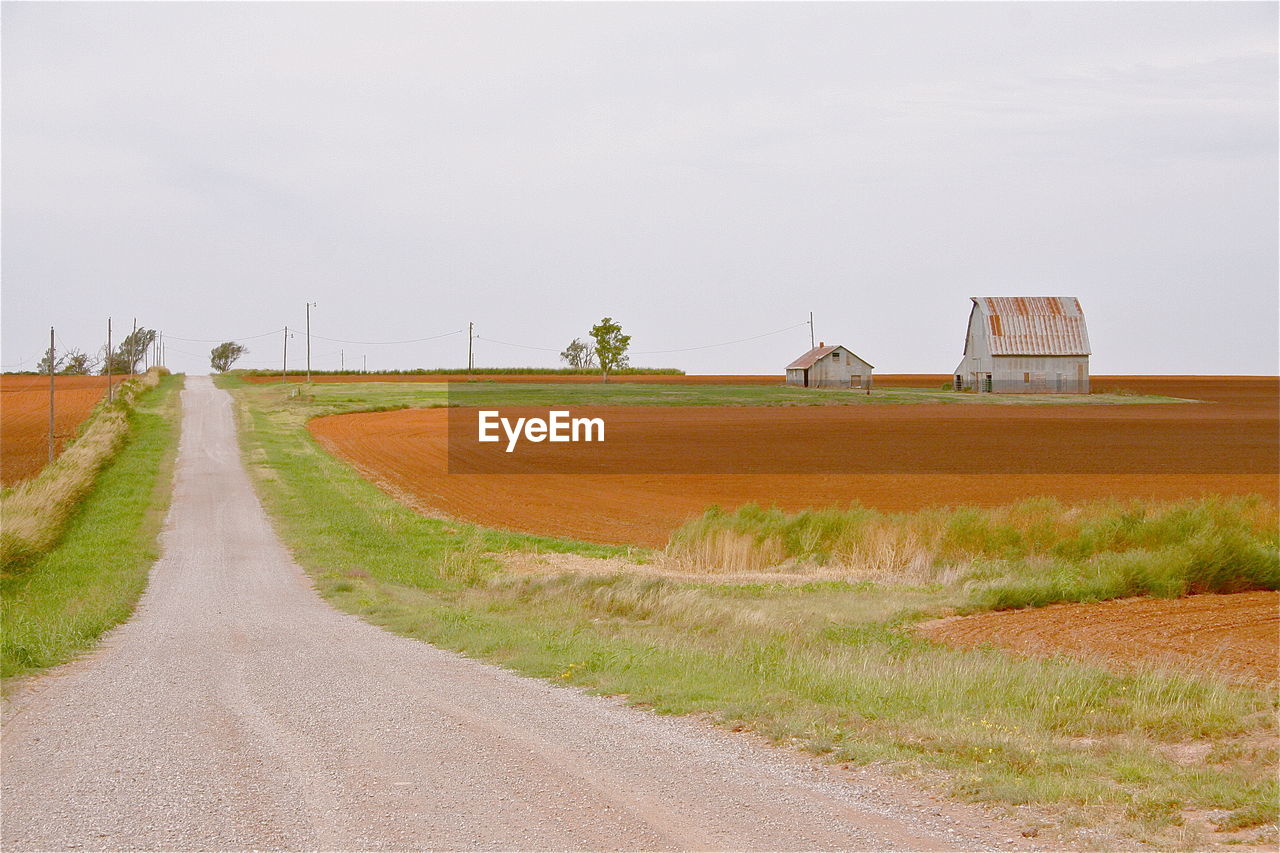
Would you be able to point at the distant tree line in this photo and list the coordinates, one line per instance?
(122, 360)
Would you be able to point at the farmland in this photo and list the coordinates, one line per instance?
(1227, 635)
(822, 657)
(24, 418)
(682, 460)
(532, 378)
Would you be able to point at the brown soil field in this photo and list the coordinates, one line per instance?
(894, 458)
(1233, 635)
(534, 378)
(1258, 389)
(24, 418)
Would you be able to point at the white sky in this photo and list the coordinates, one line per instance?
(702, 173)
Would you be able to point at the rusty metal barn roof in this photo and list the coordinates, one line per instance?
(810, 358)
(1034, 325)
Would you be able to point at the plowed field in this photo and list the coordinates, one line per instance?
(536, 378)
(1241, 389)
(896, 458)
(1234, 635)
(24, 418)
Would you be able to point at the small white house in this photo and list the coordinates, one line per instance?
(1021, 344)
(829, 367)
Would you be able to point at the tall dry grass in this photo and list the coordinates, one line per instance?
(1032, 552)
(33, 513)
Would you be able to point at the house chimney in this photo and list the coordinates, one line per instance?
(822, 343)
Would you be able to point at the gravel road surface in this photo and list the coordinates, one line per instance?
(237, 710)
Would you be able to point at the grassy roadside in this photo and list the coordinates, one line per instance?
(36, 510)
(58, 604)
(1028, 554)
(827, 667)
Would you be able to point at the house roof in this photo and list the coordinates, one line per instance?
(1033, 325)
(810, 358)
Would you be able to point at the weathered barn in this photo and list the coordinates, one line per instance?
(1020, 344)
(829, 367)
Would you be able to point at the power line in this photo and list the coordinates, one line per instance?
(223, 340)
(389, 343)
(660, 351)
(13, 364)
(723, 344)
(521, 346)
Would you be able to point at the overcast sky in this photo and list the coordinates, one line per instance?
(702, 173)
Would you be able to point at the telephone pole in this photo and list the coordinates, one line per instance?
(310, 305)
(342, 362)
(52, 359)
(110, 393)
(284, 364)
(364, 361)
(133, 348)
(471, 335)
(811, 343)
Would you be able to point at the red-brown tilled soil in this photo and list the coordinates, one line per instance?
(536, 378)
(1233, 635)
(902, 458)
(24, 418)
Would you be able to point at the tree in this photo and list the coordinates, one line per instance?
(579, 354)
(117, 361)
(611, 346)
(77, 363)
(224, 355)
(43, 366)
(126, 357)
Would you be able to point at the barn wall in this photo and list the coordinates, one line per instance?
(1023, 374)
(1062, 374)
(830, 372)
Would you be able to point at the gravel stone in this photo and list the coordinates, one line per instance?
(237, 710)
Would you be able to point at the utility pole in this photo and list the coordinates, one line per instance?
(133, 348)
(811, 343)
(110, 394)
(52, 359)
(365, 363)
(342, 362)
(284, 366)
(310, 305)
(471, 334)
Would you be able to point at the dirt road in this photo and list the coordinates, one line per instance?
(237, 710)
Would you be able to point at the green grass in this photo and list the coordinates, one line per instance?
(58, 605)
(829, 667)
(365, 396)
(1031, 553)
